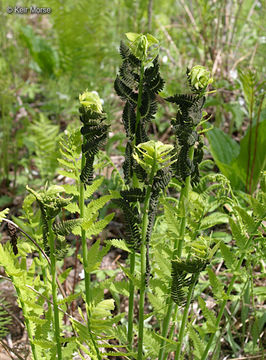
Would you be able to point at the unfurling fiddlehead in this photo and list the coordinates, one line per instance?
(188, 116)
(137, 86)
(94, 131)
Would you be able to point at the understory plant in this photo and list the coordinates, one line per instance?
(176, 214)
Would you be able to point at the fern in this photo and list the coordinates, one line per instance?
(188, 116)
(44, 138)
(94, 133)
(181, 278)
(198, 344)
(132, 221)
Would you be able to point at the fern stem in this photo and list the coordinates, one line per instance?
(177, 252)
(85, 258)
(54, 290)
(183, 198)
(131, 302)
(145, 222)
(26, 320)
(230, 288)
(83, 237)
(185, 315)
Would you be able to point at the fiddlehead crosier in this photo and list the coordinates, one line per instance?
(138, 86)
(188, 116)
(94, 131)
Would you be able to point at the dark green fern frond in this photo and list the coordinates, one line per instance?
(189, 114)
(132, 221)
(148, 106)
(125, 92)
(64, 228)
(126, 54)
(127, 75)
(140, 172)
(86, 175)
(128, 164)
(192, 265)
(133, 195)
(95, 132)
(181, 277)
(129, 120)
(141, 134)
(152, 71)
(161, 179)
(178, 295)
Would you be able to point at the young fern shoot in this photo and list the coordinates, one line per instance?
(189, 154)
(137, 84)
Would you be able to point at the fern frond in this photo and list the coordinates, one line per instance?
(129, 119)
(133, 195)
(148, 106)
(161, 179)
(128, 164)
(132, 220)
(64, 228)
(181, 278)
(125, 92)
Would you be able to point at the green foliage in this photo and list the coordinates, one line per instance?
(5, 318)
(43, 146)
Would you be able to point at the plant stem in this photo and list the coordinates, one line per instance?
(83, 237)
(132, 255)
(177, 251)
(185, 315)
(54, 291)
(145, 222)
(85, 259)
(131, 302)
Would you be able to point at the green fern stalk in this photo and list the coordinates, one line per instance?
(132, 259)
(143, 261)
(177, 252)
(131, 301)
(54, 290)
(185, 315)
(83, 236)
